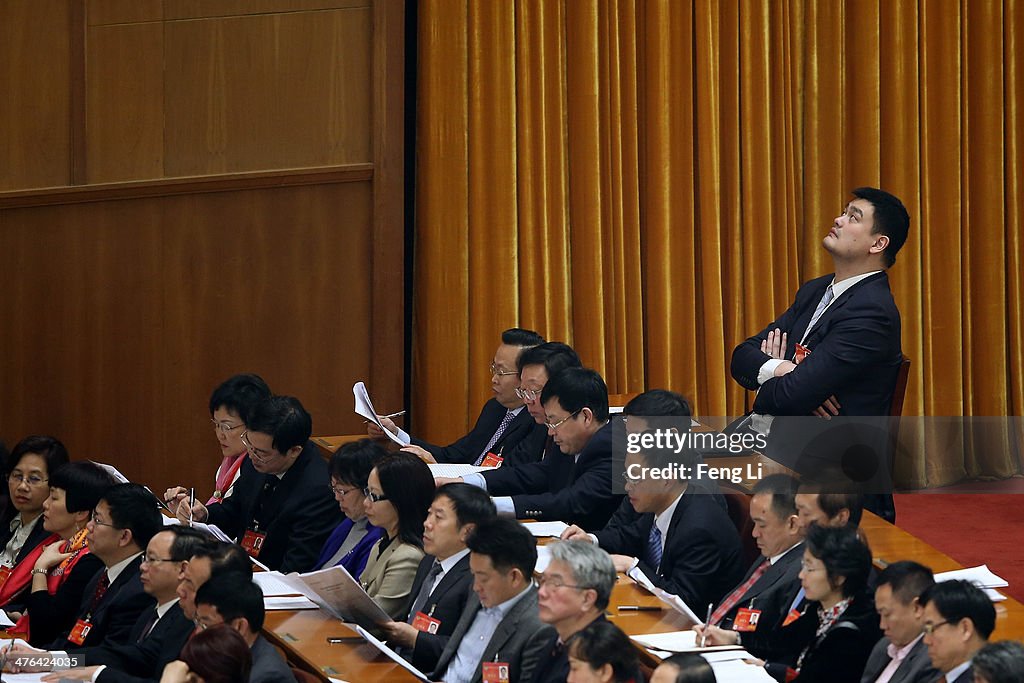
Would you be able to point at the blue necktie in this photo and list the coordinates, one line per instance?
(654, 547)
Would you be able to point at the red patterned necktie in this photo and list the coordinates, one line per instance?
(734, 597)
(101, 589)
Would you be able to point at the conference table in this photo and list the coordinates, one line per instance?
(305, 635)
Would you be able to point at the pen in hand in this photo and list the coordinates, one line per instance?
(400, 413)
(191, 502)
(707, 625)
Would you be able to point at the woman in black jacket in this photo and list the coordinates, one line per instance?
(839, 625)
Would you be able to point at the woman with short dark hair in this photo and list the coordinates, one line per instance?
(64, 567)
(350, 543)
(839, 625)
(22, 531)
(398, 494)
(602, 653)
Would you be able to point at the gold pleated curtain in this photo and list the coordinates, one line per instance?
(650, 182)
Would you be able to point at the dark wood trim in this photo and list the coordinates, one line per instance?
(388, 298)
(164, 187)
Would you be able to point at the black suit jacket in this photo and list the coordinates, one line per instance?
(51, 615)
(554, 664)
(467, 449)
(556, 488)
(298, 515)
(445, 604)
(143, 660)
(916, 667)
(116, 613)
(702, 557)
(855, 352)
(838, 655)
(773, 594)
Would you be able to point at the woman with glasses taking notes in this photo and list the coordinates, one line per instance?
(231, 404)
(21, 529)
(398, 494)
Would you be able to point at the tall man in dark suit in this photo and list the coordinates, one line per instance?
(901, 656)
(958, 619)
(503, 421)
(681, 539)
(160, 632)
(501, 611)
(443, 579)
(836, 350)
(574, 486)
(755, 610)
(282, 509)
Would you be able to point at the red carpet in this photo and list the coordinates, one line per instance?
(972, 528)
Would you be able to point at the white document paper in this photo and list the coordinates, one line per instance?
(391, 654)
(544, 529)
(994, 595)
(679, 641)
(638, 575)
(364, 407)
(287, 602)
(454, 470)
(543, 559)
(673, 601)
(335, 591)
(213, 530)
(738, 671)
(981, 576)
(676, 603)
(5, 621)
(273, 584)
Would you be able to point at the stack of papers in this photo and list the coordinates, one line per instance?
(673, 601)
(666, 644)
(982, 577)
(364, 407)
(727, 661)
(453, 471)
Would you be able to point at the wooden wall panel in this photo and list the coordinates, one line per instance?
(35, 94)
(125, 103)
(218, 179)
(135, 309)
(297, 83)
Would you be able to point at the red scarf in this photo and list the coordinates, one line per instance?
(78, 547)
(21, 574)
(228, 469)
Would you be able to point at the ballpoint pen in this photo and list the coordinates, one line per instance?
(707, 623)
